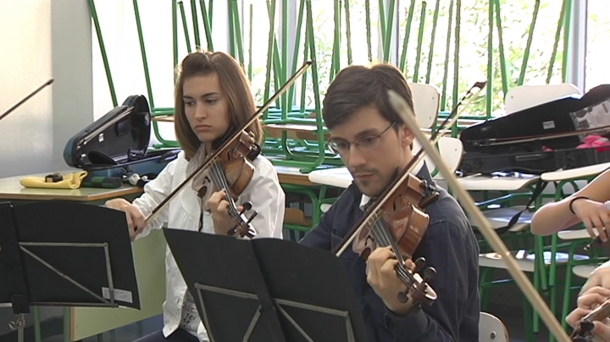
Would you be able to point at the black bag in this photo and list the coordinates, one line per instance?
(540, 139)
(116, 145)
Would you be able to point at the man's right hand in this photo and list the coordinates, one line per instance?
(135, 219)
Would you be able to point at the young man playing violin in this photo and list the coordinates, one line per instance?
(212, 100)
(375, 144)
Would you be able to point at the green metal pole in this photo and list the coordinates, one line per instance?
(556, 43)
(207, 20)
(490, 65)
(456, 58)
(250, 27)
(382, 24)
(297, 43)
(456, 61)
(336, 54)
(100, 39)
(185, 27)
(304, 77)
(432, 40)
(231, 31)
(175, 35)
(420, 38)
(446, 64)
(501, 47)
(405, 43)
(348, 33)
(270, 52)
(210, 13)
(566, 41)
(195, 24)
(143, 51)
(284, 70)
(530, 38)
(388, 36)
(238, 37)
(367, 13)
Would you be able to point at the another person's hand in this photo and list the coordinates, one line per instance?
(594, 215)
(382, 277)
(587, 302)
(219, 208)
(135, 219)
(599, 277)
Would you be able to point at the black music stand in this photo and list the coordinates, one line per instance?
(266, 289)
(64, 254)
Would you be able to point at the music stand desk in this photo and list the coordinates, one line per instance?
(148, 252)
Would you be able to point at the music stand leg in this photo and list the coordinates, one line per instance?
(19, 325)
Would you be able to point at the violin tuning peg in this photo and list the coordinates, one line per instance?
(420, 263)
(402, 297)
(252, 217)
(247, 206)
(429, 273)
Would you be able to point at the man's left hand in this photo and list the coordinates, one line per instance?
(382, 277)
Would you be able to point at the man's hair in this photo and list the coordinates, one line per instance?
(233, 83)
(357, 87)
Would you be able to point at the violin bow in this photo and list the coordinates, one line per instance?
(214, 154)
(399, 104)
(435, 137)
(25, 99)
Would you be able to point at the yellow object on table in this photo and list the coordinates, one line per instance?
(70, 181)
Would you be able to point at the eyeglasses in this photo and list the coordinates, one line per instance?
(342, 146)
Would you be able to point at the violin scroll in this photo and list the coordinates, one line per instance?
(418, 291)
(232, 171)
(404, 217)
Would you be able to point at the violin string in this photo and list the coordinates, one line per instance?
(219, 179)
(382, 235)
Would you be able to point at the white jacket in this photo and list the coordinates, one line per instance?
(183, 212)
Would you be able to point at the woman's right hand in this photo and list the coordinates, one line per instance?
(135, 219)
(594, 215)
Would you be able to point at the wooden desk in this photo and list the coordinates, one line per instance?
(149, 260)
(11, 189)
(292, 175)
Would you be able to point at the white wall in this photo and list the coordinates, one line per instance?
(26, 134)
(42, 39)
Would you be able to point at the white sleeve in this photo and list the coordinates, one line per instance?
(156, 191)
(267, 198)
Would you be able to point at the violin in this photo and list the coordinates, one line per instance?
(232, 171)
(227, 167)
(467, 202)
(397, 219)
(584, 330)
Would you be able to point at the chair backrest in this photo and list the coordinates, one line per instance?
(450, 149)
(528, 96)
(491, 329)
(426, 100)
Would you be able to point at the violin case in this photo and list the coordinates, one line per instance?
(548, 137)
(116, 145)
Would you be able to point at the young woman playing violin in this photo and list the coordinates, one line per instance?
(212, 100)
(374, 144)
(587, 206)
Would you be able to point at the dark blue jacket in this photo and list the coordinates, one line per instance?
(449, 246)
